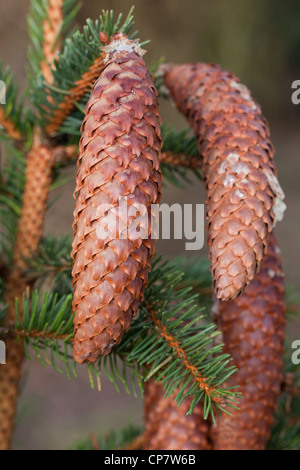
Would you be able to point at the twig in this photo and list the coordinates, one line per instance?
(94, 442)
(75, 95)
(136, 444)
(52, 40)
(9, 126)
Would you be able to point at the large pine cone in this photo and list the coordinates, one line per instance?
(120, 150)
(253, 332)
(243, 194)
(168, 427)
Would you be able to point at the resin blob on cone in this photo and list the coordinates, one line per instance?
(169, 427)
(253, 333)
(120, 150)
(243, 194)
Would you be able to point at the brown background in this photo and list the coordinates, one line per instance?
(256, 40)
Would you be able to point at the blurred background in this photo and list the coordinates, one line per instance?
(259, 42)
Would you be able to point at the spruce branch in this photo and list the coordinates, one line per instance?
(11, 110)
(28, 234)
(196, 276)
(182, 144)
(12, 182)
(52, 24)
(80, 63)
(7, 124)
(180, 352)
(180, 156)
(49, 21)
(129, 438)
(75, 94)
(51, 260)
(30, 223)
(177, 348)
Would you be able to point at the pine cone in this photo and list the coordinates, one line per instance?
(10, 374)
(243, 194)
(120, 149)
(253, 333)
(168, 427)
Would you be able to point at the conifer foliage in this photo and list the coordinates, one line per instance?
(111, 302)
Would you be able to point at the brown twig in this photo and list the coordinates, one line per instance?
(180, 159)
(30, 226)
(65, 154)
(202, 381)
(136, 444)
(38, 178)
(52, 41)
(75, 94)
(9, 126)
(94, 442)
(12, 332)
(69, 153)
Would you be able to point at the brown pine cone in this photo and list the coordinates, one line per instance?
(10, 374)
(243, 194)
(168, 427)
(253, 333)
(120, 149)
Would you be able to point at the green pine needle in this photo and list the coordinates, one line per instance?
(80, 50)
(13, 107)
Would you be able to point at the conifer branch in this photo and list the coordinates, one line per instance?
(201, 381)
(69, 153)
(174, 163)
(136, 444)
(51, 25)
(30, 225)
(129, 438)
(29, 232)
(80, 63)
(75, 94)
(11, 108)
(11, 192)
(179, 334)
(48, 23)
(9, 126)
